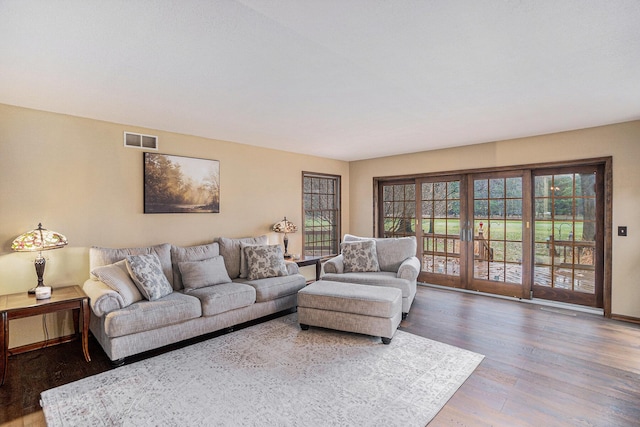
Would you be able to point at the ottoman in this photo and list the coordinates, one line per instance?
(350, 307)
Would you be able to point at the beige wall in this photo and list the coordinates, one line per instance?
(621, 141)
(75, 176)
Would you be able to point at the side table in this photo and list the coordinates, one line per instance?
(311, 260)
(19, 305)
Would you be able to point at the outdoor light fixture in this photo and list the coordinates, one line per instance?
(285, 226)
(38, 240)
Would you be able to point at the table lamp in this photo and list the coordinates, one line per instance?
(285, 226)
(39, 240)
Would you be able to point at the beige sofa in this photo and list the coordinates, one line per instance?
(397, 267)
(210, 291)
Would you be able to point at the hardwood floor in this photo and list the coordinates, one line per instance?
(543, 366)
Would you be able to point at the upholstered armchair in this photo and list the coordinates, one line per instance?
(379, 262)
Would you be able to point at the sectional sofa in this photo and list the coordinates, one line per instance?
(148, 297)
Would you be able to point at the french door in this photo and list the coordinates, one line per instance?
(501, 219)
(569, 235)
(523, 233)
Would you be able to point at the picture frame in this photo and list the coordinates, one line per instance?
(178, 184)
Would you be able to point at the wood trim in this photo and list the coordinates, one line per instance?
(605, 163)
(42, 344)
(559, 164)
(608, 237)
(624, 318)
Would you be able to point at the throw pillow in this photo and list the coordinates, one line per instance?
(360, 256)
(146, 272)
(190, 253)
(104, 256)
(244, 264)
(230, 250)
(199, 274)
(265, 261)
(117, 278)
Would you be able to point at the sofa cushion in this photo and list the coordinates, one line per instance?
(276, 287)
(360, 256)
(104, 256)
(392, 251)
(117, 277)
(147, 315)
(265, 261)
(199, 274)
(230, 250)
(190, 253)
(382, 278)
(224, 297)
(146, 272)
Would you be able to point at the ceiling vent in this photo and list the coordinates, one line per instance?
(137, 140)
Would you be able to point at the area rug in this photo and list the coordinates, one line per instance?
(272, 374)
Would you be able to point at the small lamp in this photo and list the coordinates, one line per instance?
(39, 240)
(285, 226)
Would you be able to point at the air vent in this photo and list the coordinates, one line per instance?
(137, 140)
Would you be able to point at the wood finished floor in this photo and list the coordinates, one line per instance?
(543, 366)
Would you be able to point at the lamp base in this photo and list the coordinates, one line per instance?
(32, 291)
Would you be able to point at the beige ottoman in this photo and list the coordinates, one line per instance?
(350, 307)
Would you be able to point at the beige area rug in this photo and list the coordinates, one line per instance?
(272, 374)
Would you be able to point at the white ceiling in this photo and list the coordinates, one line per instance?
(344, 79)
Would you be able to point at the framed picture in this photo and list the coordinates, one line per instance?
(176, 184)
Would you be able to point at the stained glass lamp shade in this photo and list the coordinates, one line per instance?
(285, 226)
(38, 240)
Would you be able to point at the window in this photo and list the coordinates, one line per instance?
(398, 209)
(321, 206)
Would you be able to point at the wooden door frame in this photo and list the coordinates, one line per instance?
(607, 162)
(495, 287)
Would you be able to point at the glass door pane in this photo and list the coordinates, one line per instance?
(566, 236)
(440, 217)
(498, 234)
(399, 210)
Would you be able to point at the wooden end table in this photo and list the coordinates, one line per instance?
(19, 305)
(311, 260)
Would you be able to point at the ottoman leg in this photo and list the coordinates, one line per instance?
(304, 327)
(386, 341)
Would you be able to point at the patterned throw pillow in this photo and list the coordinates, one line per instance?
(146, 272)
(360, 256)
(265, 261)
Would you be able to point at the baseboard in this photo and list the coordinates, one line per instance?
(624, 318)
(42, 344)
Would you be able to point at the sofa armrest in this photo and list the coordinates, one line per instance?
(409, 269)
(292, 268)
(334, 265)
(102, 298)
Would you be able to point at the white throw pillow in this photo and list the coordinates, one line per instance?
(199, 274)
(117, 277)
(360, 256)
(146, 272)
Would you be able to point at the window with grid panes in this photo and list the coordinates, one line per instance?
(321, 206)
(398, 209)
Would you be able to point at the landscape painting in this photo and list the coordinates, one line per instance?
(176, 184)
